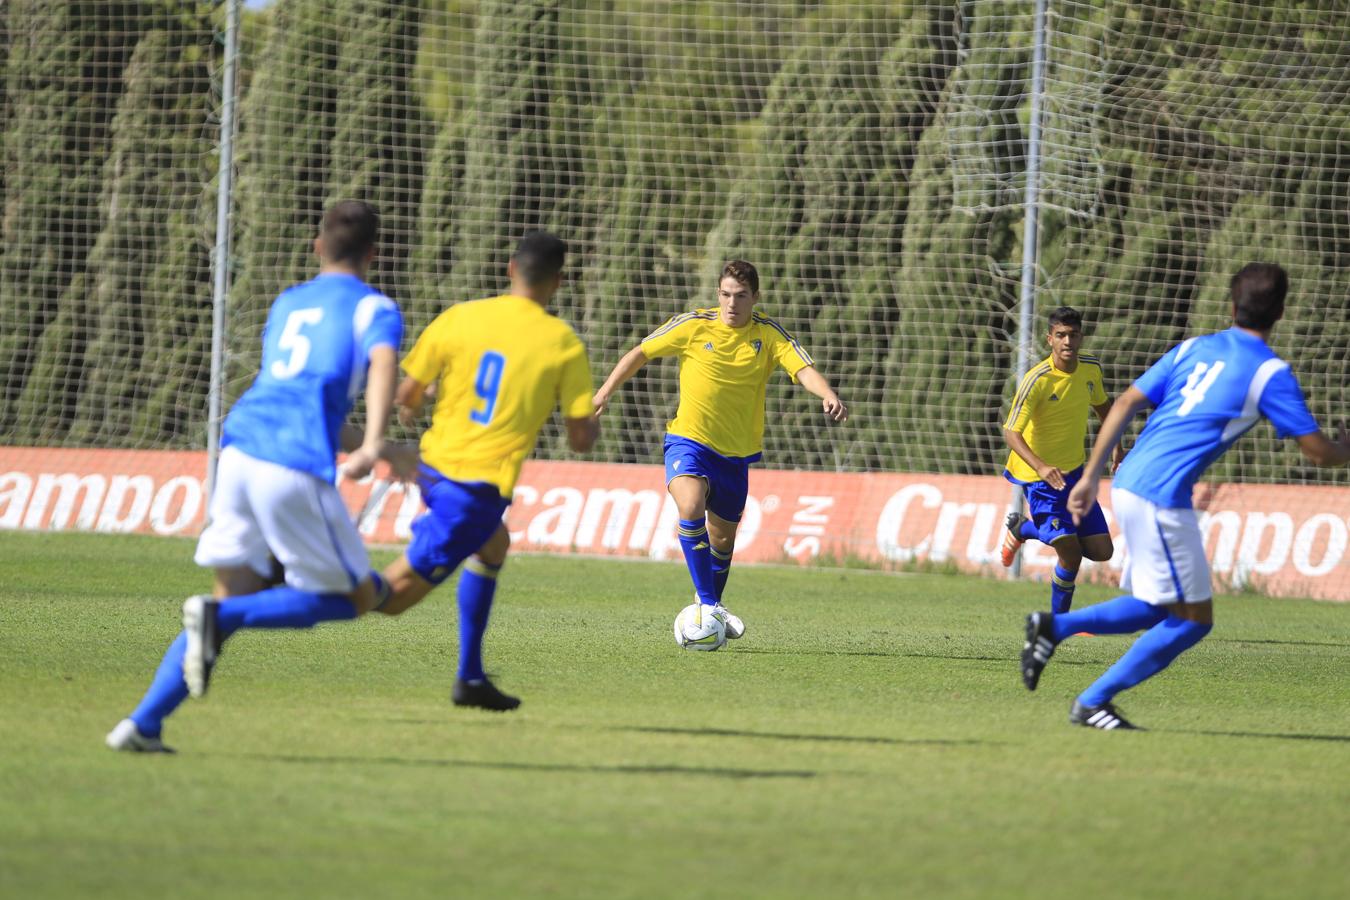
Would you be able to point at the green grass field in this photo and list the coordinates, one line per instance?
(869, 737)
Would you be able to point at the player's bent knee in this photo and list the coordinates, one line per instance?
(494, 550)
(1070, 552)
(1099, 551)
(1201, 613)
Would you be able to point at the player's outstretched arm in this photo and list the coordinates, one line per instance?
(1322, 451)
(626, 368)
(1084, 493)
(380, 379)
(811, 379)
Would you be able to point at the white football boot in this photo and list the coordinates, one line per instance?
(126, 736)
(735, 627)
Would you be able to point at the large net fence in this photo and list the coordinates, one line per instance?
(868, 157)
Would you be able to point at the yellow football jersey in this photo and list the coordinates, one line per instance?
(724, 373)
(1051, 410)
(501, 366)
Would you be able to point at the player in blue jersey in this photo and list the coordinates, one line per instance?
(1207, 392)
(274, 495)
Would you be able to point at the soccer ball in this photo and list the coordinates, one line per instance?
(696, 628)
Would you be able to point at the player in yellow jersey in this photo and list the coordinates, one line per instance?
(727, 355)
(1046, 431)
(500, 366)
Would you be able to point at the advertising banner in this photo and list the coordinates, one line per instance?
(1282, 540)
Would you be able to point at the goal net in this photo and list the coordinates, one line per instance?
(869, 156)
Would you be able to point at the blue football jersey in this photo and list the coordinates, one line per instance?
(1209, 391)
(316, 349)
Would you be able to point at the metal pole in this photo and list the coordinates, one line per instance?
(220, 258)
(1026, 313)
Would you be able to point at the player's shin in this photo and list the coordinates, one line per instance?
(1153, 652)
(698, 557)
(167, 691)
(721, 570)
(1122, 615)
(477, 587)
(282, 607)
(1061, 589)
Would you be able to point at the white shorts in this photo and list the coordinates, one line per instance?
(1164, 551)
(260, 509)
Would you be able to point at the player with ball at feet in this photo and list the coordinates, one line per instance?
(727, 354)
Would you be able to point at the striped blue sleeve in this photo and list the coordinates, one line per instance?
(1283, 404)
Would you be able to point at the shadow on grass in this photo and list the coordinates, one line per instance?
(1234, 640)
(898, 654)
(1330, 738)
(778, 736)
(682, 771)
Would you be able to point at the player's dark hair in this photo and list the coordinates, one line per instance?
(743, 272)
(1064, 315)
(539, 257)
(348, 229)
(1258, 291)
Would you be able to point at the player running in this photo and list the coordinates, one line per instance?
(727, 355)
(500, 366)
(274, 493)
(1208, 391)
(1046, 432)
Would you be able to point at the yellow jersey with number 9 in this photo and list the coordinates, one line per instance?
(724, 375)
(500, 366)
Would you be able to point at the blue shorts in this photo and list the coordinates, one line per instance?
(460, 518)
(728, 478)
(1048, 508)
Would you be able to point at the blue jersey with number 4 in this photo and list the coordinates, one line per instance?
(1209, 391)
(316, 349)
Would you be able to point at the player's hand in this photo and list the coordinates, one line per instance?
(1052, 476)
(1081, 498)
(834, 409)
(1117, 457)
(402, 459)
(407, 416)
(601, 402)
(360, 462)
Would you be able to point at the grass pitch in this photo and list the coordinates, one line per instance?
(868, 737)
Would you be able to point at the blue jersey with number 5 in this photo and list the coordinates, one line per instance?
(316, 349)
(1209, 391)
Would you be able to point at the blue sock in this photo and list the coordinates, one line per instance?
(167, 691)
(721, 570)
(1028, 531)
(694, 543)
(282, 607)
(477, 585)
(1061, 589)
(1153, 652)
(1123, 615)
(278, 607)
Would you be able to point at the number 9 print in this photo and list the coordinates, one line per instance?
(487, 385)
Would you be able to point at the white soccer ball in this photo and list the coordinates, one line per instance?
(696, 628)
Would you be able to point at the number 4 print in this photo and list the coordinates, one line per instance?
(1200, 381)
